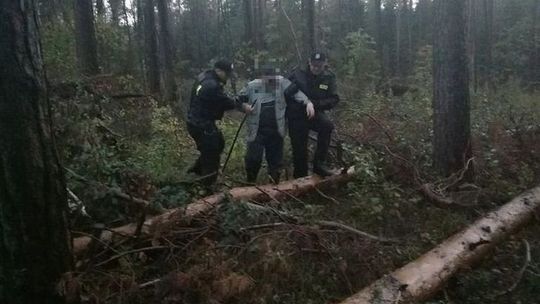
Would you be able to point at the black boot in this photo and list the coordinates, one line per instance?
(274, 177)
(195, 168)
(251, 177)
(322, 170)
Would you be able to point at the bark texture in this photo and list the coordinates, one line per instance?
(85, 38)
(34, 242)
(451, 109)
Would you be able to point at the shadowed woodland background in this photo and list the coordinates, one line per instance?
(119, 75)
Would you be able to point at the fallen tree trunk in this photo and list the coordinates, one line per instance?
(422, 278)
(256, 193)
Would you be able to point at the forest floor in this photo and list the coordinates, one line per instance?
(235, 254)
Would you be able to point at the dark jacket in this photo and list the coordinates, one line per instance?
(321, 89)
(208, 100)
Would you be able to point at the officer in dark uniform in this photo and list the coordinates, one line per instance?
(319, 84)
(208, 104)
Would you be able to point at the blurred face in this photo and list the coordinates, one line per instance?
(317, 66)
(269, 81)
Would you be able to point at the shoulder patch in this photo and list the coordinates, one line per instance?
(323, 87)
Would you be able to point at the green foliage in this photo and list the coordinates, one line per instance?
(235, 167)
(360, 60)
(163, 154)
(116, 54)
(58, 43)
(512, 50)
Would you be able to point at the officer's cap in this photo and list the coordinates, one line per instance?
(225, 66)
(318, 56)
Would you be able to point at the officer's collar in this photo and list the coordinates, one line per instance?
(308, 71)
(216, 77)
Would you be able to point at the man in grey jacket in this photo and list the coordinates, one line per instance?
(264, 101)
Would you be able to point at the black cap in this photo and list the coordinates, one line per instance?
(318, 56)
(225, 66)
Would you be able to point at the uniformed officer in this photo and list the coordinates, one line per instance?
(265, 97)
(319, 84)
(208, 104)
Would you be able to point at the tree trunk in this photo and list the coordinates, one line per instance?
(471, 41)
(356, 14)
(488, 32)
(410, 50)
(534, 59)
(451, 110)
(258, 193)
(151, 47)
(309, 33)
(34, 241)
(139, 37)
(169, 83)
(128, 25)
(115, 11)
(100, 8)
(423, 277)
(258, 24)
(85, 38)
(378, 34)
(399, 17)
(248, 21)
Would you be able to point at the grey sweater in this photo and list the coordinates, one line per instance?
(257, 94)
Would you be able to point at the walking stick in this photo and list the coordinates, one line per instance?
(233, 143)
(233, 85)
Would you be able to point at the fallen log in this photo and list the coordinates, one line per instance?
(256, 193)
(422, 278)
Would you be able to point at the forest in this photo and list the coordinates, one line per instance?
(269, 151)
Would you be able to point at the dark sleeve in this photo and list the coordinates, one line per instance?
(292, 76)
(292, 89)
(332, 98)
(212, 91)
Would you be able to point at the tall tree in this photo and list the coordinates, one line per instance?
(169, 84)
(534, 56)
(471, 41)
(100, 8)
(151, 47)
(451, 109)
(378, 35)
(248, 21)
(488, 15)
(308, 7)
(258, 23)
(85, 37)
(115, 10)
(34, 241)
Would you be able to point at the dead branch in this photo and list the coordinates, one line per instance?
(117, 256)
(438, 199)
(521, 271)
(335, 201)
(300, 221)
(201, 206)
(363, 234)
(110, 190)
(422, 278)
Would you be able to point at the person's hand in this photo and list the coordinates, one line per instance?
(247, 108)
(310, 110)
